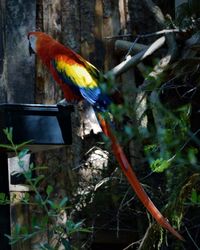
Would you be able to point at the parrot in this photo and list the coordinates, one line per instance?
(80, 80)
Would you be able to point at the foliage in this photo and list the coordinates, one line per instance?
(170, 143)
(42, 200)
(194, 198)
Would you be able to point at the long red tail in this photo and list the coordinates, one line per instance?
(133, 180)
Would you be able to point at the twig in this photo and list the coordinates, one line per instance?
(162, 32)
(118, 212)
(132, 244)
(121, 45)
(118, 36)
(143, 241)
(132, 46)
(157, 33)
(131, 61)
(192, 239)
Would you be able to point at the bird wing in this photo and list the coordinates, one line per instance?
(79, 74)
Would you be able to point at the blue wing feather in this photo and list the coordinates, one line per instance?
(82, 81)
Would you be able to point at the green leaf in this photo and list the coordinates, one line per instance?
(51, 203)
(49, 190)
(2, 198)
(76, 227)
(26, 198)
(8, 236)
(159, 165)
(66, 244)
(38, 199)
(194, 196)
(21, 164)
(17, 228)
(85, 230)
(9, 133)
(128, 130)
(70, 225)
(38, 179)
(192, 153)
(7, 147)
(32, 167)
(28, 174)
(23, 144)
(23, 152)
(63, 202)
(44, 221)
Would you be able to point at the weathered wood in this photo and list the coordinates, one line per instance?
(49, 20)
(18, 67)
(17, 74)
(3, 66)
(111, 27)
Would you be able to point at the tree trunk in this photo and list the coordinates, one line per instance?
(16, 66)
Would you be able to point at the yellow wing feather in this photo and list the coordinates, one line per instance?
(77, 73)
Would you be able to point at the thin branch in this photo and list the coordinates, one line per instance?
(132, 244)
(132, 46)
(118, 36)
(195, 244)
(157, 33)
(132, 61)
(119, 209)
(162, 32)
(143, 241)
(123, 45)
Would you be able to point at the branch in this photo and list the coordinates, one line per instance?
(163, 32)
(132, 244)
(131, 61)
(197, 247)
(159, 17)
(118, 36)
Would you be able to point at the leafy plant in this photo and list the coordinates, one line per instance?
(195, 198)
(42, 200)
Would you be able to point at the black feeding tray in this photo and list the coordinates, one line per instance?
(48, 126)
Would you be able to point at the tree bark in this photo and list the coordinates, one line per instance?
(16, 66)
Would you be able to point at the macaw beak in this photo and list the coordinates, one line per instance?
(31, 51)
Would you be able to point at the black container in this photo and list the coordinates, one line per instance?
(48, 126)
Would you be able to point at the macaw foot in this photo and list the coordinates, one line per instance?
(63, 103)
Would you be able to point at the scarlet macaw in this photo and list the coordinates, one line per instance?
(79, 80)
